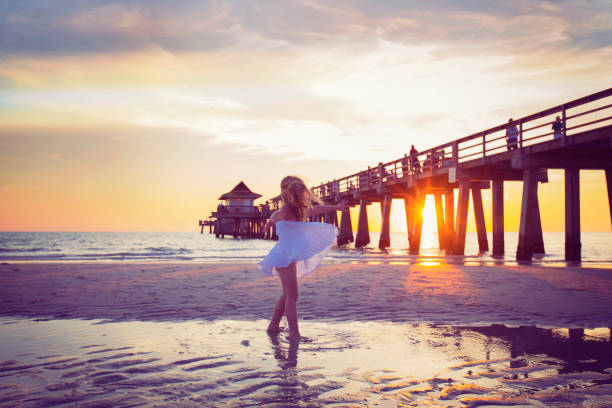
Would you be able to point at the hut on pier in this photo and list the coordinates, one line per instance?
(236, 214)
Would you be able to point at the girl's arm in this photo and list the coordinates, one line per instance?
(323, 208)
(277, 215)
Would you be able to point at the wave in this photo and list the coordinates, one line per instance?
(4, 249)
(167, 247)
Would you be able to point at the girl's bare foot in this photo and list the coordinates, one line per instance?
(274, 329)
(293, 338)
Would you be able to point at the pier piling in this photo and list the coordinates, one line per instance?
(572, 215)
(409, 210)
(346, 228)
(525, 248)
(462, 214)
(442, 232)
(481, 229)
(538, 236)
(498, 217)
(417, 223)
(385, 231)
(363, 230)
(449, 218)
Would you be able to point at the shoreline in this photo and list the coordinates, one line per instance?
(453, 260)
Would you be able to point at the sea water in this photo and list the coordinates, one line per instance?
(196, 247)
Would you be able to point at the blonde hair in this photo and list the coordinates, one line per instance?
(296, 195)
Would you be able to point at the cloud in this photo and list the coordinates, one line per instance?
(355, 76)
(83, 27)
(64, 27)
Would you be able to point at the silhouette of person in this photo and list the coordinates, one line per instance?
(405, 165)
(557, 128)
(511, 135)
(386, 174)
(414, 160)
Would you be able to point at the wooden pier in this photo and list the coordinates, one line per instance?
(484, 160)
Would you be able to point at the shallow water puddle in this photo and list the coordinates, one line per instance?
(346, 364)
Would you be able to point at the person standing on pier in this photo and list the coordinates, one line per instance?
(405, 165)
(301, 247)
(557, 127)
(511, 135)
(414, 160)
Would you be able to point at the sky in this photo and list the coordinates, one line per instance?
(137, 115)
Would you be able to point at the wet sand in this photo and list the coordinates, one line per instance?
(116, 334)
(230, 363)
(444, 294)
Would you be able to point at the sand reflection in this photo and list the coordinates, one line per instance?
(285, 354)
(441, 281)
(234, 364)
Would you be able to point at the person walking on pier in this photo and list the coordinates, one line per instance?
(511, 135)
(557, 127)
(300, 248)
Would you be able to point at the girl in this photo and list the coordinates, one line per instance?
(301, 246)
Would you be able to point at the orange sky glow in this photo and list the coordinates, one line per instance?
(136, 116)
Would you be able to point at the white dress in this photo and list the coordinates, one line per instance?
(305, 243)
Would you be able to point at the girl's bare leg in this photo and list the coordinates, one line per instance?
(290, 291)
(279, 310)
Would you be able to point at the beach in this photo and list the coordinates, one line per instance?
(412, 293)
(185, 334)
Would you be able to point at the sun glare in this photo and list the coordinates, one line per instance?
(429, 233)
(429, 237)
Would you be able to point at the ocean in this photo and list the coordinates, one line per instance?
(196, 247)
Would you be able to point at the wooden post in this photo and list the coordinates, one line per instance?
(449, 217)
(442, 234)
(524, 250)
(417, 224)
(462, 213)
(346, 228)
(609, 185)
(219, 228)
(538, 237)
(363, 230)
(572, 215)
(481, 229)
(409, 210)
(331, 217)
(498, 217)
(385, 237)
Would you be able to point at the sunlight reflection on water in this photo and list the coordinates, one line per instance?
(234, 363)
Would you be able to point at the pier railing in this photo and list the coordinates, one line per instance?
(578, 115)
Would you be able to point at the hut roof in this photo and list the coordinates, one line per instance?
(242, 191)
